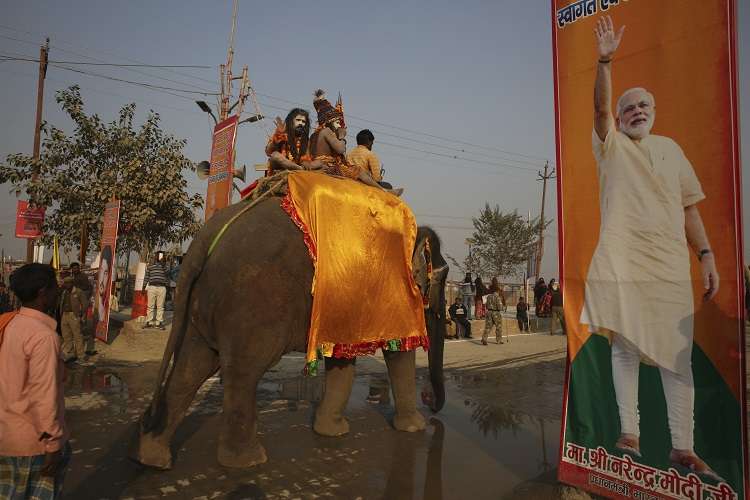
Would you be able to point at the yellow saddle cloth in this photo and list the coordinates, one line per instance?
(361, 241)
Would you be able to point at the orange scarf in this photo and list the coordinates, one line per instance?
(5, 319)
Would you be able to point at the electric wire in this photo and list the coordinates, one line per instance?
(116, 65)
(380, 132)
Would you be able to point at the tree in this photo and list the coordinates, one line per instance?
(80, 173)
(502, 242)
(471, 264)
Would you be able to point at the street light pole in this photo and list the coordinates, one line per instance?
(43, 53)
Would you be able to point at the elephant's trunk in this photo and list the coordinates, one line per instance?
(435, 319)
(436, 331)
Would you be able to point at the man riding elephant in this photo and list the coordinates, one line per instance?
(287, 148)
(328, 143)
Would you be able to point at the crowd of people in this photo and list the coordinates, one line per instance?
(476, 301)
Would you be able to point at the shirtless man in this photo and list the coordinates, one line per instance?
(328, 144)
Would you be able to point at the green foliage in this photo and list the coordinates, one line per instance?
(502, 242)
(80, 173)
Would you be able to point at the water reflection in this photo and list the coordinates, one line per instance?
(379, 390)
(402, 473)
(93, 379)
(492, 419)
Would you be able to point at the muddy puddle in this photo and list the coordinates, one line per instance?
(493, 439)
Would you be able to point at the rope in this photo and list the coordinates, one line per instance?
(238, 214)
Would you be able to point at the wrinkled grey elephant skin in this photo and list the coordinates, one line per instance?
(247, 305)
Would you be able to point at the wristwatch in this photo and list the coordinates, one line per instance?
(703, 252)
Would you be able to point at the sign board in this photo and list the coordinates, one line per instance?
(650, 248)
(220, 175)
(28, 220)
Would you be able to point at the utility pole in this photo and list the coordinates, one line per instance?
(43, 53)
(544, 177)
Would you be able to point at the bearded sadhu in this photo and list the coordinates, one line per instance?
(287, 149)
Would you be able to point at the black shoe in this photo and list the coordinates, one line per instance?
(70, 361)
(91, 353)
(160, 326)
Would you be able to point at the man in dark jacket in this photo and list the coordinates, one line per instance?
(539, 290)
(459, 315)
(522, 315)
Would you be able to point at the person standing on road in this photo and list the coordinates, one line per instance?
(33, 437)
(82, 283)
(466, 288)
(522, 315)
(479, 292)
(494, 316)
(539, 290)
(72, 310)
(557, 309)
(457, 313)
(155, 284)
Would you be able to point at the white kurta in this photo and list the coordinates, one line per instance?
(639, 283)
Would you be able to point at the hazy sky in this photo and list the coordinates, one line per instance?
(471, 81)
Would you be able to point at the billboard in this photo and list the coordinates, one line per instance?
(107, 267)
(650, 247)
(219, 192)
(28, 220)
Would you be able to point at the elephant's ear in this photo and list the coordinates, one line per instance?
(437, 287)
(419, 266)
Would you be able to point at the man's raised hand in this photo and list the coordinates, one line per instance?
(606, 38)
(280, 125)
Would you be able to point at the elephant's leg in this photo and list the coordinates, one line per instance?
(401, 370)
(329, 419)
(195, 363)
(238, 440)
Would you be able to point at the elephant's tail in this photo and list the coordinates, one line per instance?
(190, 271)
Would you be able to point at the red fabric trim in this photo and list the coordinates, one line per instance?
(288, 206)
(248, 189)
(349, 351)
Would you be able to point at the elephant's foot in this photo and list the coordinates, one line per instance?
(242, 457)
(153, 452)
(327, 425)
(409, 422)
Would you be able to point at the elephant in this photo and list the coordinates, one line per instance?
(242, 307)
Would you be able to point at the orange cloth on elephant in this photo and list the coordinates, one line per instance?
(363, 290)
(337, 165)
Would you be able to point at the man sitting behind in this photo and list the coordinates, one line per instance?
(365, 158)
(457, 313)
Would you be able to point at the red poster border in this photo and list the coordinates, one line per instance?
(734, 97)
(105, 336)
(226, 184)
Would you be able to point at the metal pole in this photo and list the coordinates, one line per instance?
(43, 52)
(544, 178)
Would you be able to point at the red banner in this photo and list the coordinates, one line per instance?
(28, 220)
(651, 248)
(107, 267)
(219, 193)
